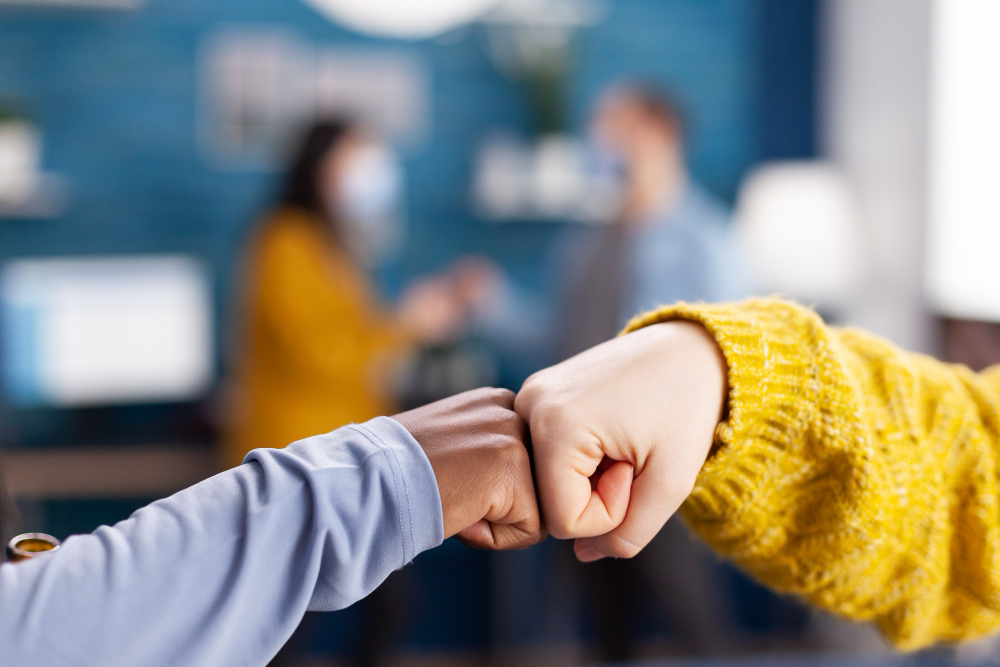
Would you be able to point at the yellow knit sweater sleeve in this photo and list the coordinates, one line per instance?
(856, 475)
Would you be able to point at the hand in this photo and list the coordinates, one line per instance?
(476, 445)
(478, 280)
(432, 310)
(620, 432)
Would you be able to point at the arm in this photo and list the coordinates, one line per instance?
(855, 474)
(847, 471)
(221, 573)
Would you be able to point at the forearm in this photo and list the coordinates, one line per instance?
(221, 573)
(857, 475)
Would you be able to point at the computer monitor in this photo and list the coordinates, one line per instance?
(78, 332)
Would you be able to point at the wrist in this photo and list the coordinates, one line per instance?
(696, 343)
(693, 354)
(416, 429)
(474, 443)
(713, 363)
(422, 512)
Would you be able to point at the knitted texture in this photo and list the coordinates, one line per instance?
(856, 475)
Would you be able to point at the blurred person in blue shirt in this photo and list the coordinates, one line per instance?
(665, 239)
(674, 234)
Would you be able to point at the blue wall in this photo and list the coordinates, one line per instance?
(116, 96)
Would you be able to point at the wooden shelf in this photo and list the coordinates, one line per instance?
(103, 472)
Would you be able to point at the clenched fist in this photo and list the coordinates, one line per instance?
(476, 444)
(620, 432)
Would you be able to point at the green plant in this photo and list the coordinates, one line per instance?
(10, 113)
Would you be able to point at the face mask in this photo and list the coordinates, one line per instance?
(607, 162)
(607, 176)
(368, 202)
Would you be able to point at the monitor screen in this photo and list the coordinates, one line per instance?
(103, 331)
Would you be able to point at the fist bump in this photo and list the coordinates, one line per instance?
(618, 435)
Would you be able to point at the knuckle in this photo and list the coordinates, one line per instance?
(560, 528)
(521, 538)
(524, 539)
(497, 397)
(530, 390)
(503, 396)
(531, 530)
(551, 419)
(619, 547)
(533, 380)
(531, 540)
(515, 454)
(512, 424)
(560, 532)
(484, 394)
(539, 531)
(511, 467)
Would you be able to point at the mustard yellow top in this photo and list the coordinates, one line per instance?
(314, 342)
(854, 474)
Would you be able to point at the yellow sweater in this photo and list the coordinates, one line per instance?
(314, 340)
(856, 475)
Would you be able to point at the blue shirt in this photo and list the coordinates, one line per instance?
(685, 252)
(222, 573)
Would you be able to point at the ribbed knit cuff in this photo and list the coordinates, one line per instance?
(772, 381)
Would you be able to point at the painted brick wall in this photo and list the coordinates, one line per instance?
(116, 95)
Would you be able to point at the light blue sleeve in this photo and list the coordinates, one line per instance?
(222, 573)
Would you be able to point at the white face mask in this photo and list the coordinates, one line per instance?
(369, 202)
(607, 178)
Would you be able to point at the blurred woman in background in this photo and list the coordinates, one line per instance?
(318, 348)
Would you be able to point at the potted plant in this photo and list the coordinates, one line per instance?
(20, 155)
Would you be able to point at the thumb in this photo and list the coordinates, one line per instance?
(655, 496)
(576, 505)
(614, 486)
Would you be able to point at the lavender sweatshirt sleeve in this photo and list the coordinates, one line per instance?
(222, 573)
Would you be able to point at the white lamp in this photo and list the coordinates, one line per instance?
(799, 223)
(407, 19)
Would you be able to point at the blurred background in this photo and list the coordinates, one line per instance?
(231, 224)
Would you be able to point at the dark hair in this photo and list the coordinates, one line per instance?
(301, 189)
(658, 104)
